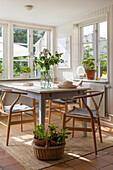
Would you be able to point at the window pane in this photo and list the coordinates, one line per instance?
(88, 34)
(103, 49)
(1, 44)
(103, 30)
(103, 69)
(20, 49)
(17, 66)
(86, 48)
(39, 43)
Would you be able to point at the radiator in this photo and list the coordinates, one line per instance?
(96, 86)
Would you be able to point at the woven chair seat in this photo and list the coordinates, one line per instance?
(17, 108)
(63, 101)
(83, 112)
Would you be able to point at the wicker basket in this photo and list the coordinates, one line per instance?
(48, 153)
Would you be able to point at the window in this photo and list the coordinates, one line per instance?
(1, 45)
(20, 48)
(28, 43)
(40, 41)
(95, 36)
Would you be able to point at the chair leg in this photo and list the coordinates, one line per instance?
(99, 126)
(63, 121)
(8, 129)
(80, 104)
(73, 124)
(34, 116)
(21, 121)
(49, 116)
(94, 137)
(66, 107)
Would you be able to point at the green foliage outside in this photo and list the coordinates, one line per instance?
(25, 70)
(1, 68)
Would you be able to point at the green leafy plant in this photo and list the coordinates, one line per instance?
(88, 60)
(25, 70)
(1, 69)
(39, 133)
(58, 137)
(47, 60)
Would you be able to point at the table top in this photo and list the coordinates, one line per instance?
(35, 87)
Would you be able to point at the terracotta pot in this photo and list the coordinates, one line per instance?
(90, 74)
(41, 142)
(53, 143)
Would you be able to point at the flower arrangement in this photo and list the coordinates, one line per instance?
(47, 60)
(44, 64)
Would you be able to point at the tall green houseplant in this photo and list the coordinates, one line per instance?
(89, 63)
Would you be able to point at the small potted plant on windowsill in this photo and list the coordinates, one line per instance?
(1, 70)
(89, 63)
(25, 71)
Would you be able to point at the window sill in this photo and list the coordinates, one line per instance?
(19, 79)
(92, 81)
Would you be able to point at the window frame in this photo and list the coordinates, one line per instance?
(96, 41)
(30, 44)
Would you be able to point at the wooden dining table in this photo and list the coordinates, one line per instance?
(35, 91)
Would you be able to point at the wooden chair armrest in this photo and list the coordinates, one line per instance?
(11, 91)
(91, 91)
(90, 95)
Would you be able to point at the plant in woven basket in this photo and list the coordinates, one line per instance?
(55, 137)
(39, 135)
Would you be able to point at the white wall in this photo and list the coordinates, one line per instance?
(71, 29)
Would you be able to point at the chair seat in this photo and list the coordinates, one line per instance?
(83, 112)
(17, 108)
(63, 101)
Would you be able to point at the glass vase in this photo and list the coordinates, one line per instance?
(47, 79)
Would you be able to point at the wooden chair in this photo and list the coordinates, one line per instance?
(15, 110)
(86, 114)
(60, 106)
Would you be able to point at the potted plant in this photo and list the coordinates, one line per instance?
(89, 63)
(25, 71)
(45, 63)
(57, 138)
(39, 135)
(49, 151)
(1, 70)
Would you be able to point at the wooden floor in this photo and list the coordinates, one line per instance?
(103, 161)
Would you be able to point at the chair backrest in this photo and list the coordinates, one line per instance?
(2, 97)
(92, 95)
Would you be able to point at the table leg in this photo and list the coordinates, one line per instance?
(42, 110)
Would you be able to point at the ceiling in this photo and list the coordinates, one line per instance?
(48, 12)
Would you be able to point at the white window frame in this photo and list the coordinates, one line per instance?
(96, 51)
(30, 44)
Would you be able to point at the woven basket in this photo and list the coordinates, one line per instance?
(48, 153)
